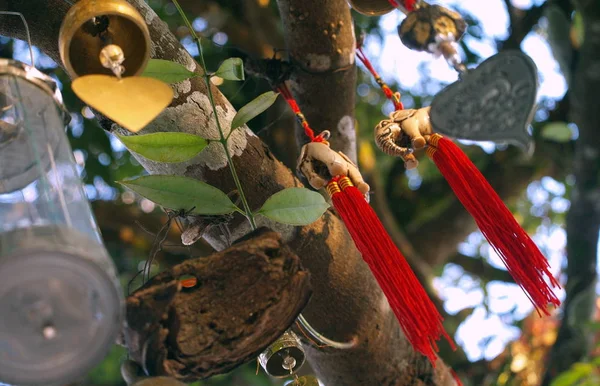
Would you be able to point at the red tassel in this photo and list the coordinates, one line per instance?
(519, 253)
(418, 317)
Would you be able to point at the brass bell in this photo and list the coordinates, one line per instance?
(371, 7)
(91, 25)
(422, 29)
(284, 357)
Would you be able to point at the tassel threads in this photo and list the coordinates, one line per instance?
(418, 317)
(519, 253)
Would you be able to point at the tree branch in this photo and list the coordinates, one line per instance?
(346, 302)
(320, 38)
(521, 23)
(583, 219)
(481, 268)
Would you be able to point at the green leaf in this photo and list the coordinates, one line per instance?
(167, 71)
(557, 132)
(231, 69)
(165, 147)
(252, 109)
(176, 192)
(573, 375)
(294, 206)
(579, 28)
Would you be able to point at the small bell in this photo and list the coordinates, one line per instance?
(104, 45)
(371, 7)
(425, 27)
(91, 25)
(284, 357)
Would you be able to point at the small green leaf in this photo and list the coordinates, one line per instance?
(231, 69)
(557, 132)
(176, 192)
(573, 375)
(252, 109)
(294, 206)
(165, 147)
(167, 71)
(578, 28)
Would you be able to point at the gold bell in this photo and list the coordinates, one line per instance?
(92, 25)
(371, 7)
(284, 357)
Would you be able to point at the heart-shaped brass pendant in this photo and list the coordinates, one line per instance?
(494, 102)
(132, 102)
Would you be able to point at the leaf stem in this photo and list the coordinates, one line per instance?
(223, 140)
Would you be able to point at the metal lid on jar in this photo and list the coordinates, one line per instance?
(32, 123)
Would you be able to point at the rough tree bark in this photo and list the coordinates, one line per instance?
(583, 220)
(245, 297)
(346, 300)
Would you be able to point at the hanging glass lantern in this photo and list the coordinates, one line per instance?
(60, 300)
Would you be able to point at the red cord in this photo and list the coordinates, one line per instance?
(409, 5)
(287, 95)
(389, 94)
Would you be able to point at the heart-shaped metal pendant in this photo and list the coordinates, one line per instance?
(132, 102)
(494, 102)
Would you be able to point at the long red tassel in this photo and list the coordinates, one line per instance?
(418, 317)
(519, 253)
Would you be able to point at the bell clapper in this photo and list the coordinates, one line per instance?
(112, 57)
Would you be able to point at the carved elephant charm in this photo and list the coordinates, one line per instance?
(403, 132)
(319, 163)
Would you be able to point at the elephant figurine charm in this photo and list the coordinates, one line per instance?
(319, 164)
(404, 132)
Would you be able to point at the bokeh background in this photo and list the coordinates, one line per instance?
(502, 341)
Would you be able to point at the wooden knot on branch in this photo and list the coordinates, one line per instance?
(244, 298)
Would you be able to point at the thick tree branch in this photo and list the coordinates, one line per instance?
(521, 23)
(346, 300)
(583, 219)
(320, 38)
(480, 268)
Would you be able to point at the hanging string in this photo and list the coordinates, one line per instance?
(404, 5)
(414, 310)
(27, 34)
(310, 133)
(394, 97)
(520, 255)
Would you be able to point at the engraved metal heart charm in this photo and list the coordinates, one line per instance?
(493, 102)
(132, 102)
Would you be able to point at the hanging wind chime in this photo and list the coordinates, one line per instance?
(334, 171)
(105, 46)
(409, 130)
(493, 102)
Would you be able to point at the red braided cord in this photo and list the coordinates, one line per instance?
(409, 5)
(287, 95)
(389, 94)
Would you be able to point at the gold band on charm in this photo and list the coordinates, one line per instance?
(433, 143)
(345, 182)
(333, 188)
